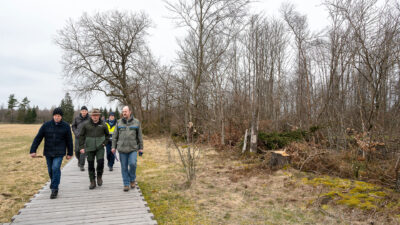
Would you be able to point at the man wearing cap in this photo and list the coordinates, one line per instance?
(92, 139)
(110, 123)
(57, 139)
(127, 139)
(76, 128)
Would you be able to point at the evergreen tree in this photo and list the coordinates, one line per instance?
(28, 115)
(105, 113)
(68, 108)
(34, 115)
(22, 110)
(116, 113)
(101, 112)
(31, 115)
(12, 103)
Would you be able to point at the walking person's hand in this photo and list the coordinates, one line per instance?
(82, 151)
(140, 152)
(68, 157)
(33, 155)
(113, 150)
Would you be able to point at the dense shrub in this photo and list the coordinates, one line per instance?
(275, 140)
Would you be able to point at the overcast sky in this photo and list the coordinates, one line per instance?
(30, 61)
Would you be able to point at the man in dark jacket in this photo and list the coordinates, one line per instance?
(110, 123)
(93, 137)
(57, 138)
(76, 128)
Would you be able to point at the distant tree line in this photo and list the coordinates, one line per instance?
(18, 111)
(21, 111)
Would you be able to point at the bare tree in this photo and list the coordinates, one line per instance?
(298, 25)
(204, 19)
(107, 53)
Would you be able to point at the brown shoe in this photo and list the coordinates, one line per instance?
(92, 184)
(133, 184)
(99, 181)
(126, 188)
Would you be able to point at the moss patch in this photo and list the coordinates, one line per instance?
(355, 194)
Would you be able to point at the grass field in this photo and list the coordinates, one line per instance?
(20, 175)
(229, 189)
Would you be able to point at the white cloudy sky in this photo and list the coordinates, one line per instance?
(30, 61)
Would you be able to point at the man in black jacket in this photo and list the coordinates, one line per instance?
(57, 138)
(76, 128)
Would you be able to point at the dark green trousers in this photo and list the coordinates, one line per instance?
(99, 156)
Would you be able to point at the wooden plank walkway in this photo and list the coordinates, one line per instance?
(76, 204)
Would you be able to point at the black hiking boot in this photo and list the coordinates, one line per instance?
(82, 168)
(110, 168)
(99, 180)
(54, 194)
(92, 184)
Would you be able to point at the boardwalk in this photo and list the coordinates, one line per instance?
(76, 204)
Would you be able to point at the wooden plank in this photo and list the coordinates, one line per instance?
(73, 217)
(28, 211)
(76, 204)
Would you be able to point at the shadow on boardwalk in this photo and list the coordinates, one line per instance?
(76, 204)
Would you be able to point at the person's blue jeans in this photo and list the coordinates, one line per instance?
(128, 167)
(110, 155)
(54, 169)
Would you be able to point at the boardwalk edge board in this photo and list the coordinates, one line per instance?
(128, 207)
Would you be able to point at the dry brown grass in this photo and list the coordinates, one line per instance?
(20, 175)
(231, 189)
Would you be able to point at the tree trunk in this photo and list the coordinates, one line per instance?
(253, 136)
(244, 142)
(278, 159)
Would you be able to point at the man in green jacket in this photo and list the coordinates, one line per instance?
(92, 139)
(127, 139)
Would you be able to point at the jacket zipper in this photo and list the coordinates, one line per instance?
(95, 136)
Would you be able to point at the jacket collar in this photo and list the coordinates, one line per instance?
(129, 120)
(54, 122)
(99, 122)
(111, 122)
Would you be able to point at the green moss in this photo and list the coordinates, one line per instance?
(360, 195)
(325, 207)
(379, 193)
(355, 194)
(331, 194)
(352, 202)
(367, 205)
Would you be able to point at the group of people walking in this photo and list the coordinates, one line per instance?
(92, 137)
